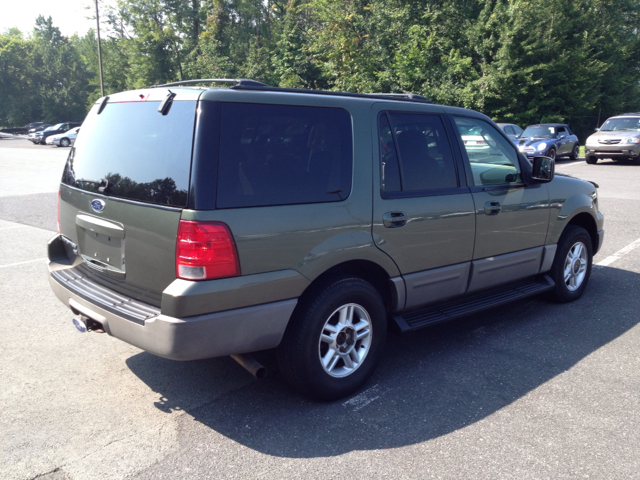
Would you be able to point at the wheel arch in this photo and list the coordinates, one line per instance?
(586, 221)
(364, 269)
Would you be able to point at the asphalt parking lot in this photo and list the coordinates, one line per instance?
(527, 391)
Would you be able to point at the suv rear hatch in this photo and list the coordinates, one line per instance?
(125, 184)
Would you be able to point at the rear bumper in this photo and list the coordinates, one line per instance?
(236, 331)
(233, 331)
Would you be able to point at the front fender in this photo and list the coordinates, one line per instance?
(563, 208)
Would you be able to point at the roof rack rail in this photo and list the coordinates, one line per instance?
(237, 81)
(245, 84)
(383, 96)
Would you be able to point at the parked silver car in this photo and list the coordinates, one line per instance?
(65, 139)
(618, 139)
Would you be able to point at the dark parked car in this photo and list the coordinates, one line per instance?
(31, 127)
(549, 139)
(512, 131)
(224, 221)
(41, 137)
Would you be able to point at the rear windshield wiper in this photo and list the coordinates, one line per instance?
(165, 105)
(102, 184)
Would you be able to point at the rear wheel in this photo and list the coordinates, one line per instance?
(572, 265)
(591, 160)
(575, 153)
(334, 339)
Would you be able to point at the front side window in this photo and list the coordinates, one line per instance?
(493, 159)
(415, 153)
(283, 155)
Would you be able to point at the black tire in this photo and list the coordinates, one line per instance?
(301, 349)
(36, 142)
(567, 264)
(552, 153)
(575, 152)
(591, 160)
(64, 142)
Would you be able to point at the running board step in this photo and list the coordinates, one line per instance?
(460, 307)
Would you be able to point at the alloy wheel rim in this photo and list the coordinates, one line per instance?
(345, 340)
(575, 266)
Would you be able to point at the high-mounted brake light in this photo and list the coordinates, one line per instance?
(205, 250)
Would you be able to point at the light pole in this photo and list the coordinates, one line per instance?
(99, 52)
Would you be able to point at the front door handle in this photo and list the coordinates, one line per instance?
(394, 219)
(492, 208)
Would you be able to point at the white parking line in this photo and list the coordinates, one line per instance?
(22, 263)
(575, 162)
(13, 226)
(620, 253)
(365, 398)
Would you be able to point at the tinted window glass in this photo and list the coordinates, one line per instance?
(282, 155)
(509, 130)
(423, 151)
(143, 155)
(388, 158)
(493, 158)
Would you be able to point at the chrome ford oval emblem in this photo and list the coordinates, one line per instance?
(97, 205)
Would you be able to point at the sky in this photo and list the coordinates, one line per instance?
(68, 15)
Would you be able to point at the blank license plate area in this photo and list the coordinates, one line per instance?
(101, 247)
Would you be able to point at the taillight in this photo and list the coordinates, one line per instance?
(58, 212)
(205, 250)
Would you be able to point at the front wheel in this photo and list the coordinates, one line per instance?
(572, 265)
(64, 142)
(552, 153)
(591, 160)
(334, 339)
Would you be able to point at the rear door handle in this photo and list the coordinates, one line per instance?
(492, 208)
(394, 219)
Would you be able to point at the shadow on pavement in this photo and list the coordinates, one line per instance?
(428, 384)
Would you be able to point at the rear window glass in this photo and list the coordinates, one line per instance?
(143, 155)
(282, 155)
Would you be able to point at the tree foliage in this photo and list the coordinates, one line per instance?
(521, 61)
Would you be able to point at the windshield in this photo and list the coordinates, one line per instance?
(632, 123)
(56, 127)
(539, 132)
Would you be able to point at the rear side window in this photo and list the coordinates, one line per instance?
(415, 153)
(283, 155)
(136, 152)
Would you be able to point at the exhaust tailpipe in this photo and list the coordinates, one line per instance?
(84, 324)
(251, 365)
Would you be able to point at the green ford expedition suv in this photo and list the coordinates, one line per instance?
(199, 222)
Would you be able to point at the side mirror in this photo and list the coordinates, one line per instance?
(597, 129)
(543, 169)
(562, 137)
